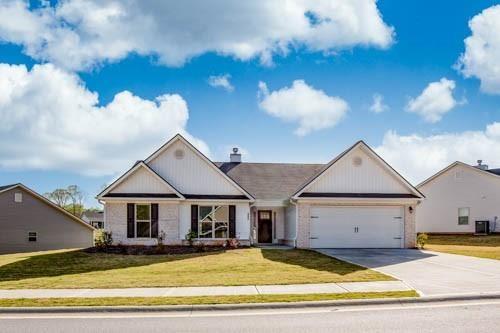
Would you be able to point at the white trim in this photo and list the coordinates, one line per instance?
(136, 220)
(452, 165)
(270, 203)
(369, 151)
(129, 199)
(50, 203)
(179, 137)
(361, 201)
(130, 172)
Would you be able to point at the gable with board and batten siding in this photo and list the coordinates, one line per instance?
(191, 172)
(358, 171)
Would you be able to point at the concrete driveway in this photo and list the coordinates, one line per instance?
(430, 273)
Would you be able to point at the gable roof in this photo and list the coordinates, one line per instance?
(491, 172)
(372, 153)
(179, 137)
(6, 187)
(47, 201)
(136, 166)
(269, 181)
(93, 215)
(494, 171)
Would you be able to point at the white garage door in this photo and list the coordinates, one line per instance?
(357, 227)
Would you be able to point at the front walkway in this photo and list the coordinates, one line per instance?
(323, 288)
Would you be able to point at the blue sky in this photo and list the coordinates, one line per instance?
(427, 42)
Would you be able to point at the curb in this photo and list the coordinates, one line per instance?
(251, 306)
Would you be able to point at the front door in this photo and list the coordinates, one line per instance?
(265, 227)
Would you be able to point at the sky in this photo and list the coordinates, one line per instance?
(89, 87)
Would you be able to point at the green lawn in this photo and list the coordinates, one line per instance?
(468, 245)
(251, 266)
(150, 301)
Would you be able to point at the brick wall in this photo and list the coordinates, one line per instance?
(116, 222)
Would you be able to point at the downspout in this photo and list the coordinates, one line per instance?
(296, 224)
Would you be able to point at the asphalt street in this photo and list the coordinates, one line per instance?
(464, 316)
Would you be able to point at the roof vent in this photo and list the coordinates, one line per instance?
(481, 166)
(179, 154)
(235, 157)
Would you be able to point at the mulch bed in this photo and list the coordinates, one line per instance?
(151, 250)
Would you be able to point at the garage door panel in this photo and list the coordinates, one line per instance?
(357, 227)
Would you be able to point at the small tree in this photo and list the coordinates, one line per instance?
(59, 196)
(422, 240)
(190, 237)
(103, 238)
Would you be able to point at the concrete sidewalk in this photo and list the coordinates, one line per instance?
(323, 288)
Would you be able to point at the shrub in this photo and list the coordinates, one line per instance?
(103, 238)
(161, 238)
(232, 243)
(421, 240)
(190, 237)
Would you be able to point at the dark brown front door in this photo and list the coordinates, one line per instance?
(265, 226)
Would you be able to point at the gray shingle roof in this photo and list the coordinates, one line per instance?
(270, 181)
(494, 171)
(94, 215)
(3, 187)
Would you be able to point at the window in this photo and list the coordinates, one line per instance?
(213, 222)
(32, 236)
(18, 197)
(97, 224)
(463, 216)
(143, 220)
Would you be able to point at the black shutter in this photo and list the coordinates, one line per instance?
(154, 220)
(130, 220)
(232, 221)
(194, 219)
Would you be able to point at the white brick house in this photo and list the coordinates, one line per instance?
(356, 200)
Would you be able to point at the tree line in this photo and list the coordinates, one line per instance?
(71, 199)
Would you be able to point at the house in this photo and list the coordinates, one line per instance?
(457, 196)
(30, 222)
(356, 200)
(94, 218)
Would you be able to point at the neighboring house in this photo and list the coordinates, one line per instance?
(457, 196)
(94, 218)
(30, 222)
(357, 200)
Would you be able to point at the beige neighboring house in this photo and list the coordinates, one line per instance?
(457, 197)
(355, 201)
(30, 222)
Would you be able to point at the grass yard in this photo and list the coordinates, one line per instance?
(468, 245)
(250, 266)
(152, 301)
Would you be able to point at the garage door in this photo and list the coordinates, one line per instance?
(357, 227)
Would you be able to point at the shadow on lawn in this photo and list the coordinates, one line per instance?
(312, 260)
(78, 261)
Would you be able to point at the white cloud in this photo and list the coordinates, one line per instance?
(221, 81)
(79, 35)
(419, 157)
(434, 101)
(50, 120)
(378, 105)
(481, 58)
(312, 109)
